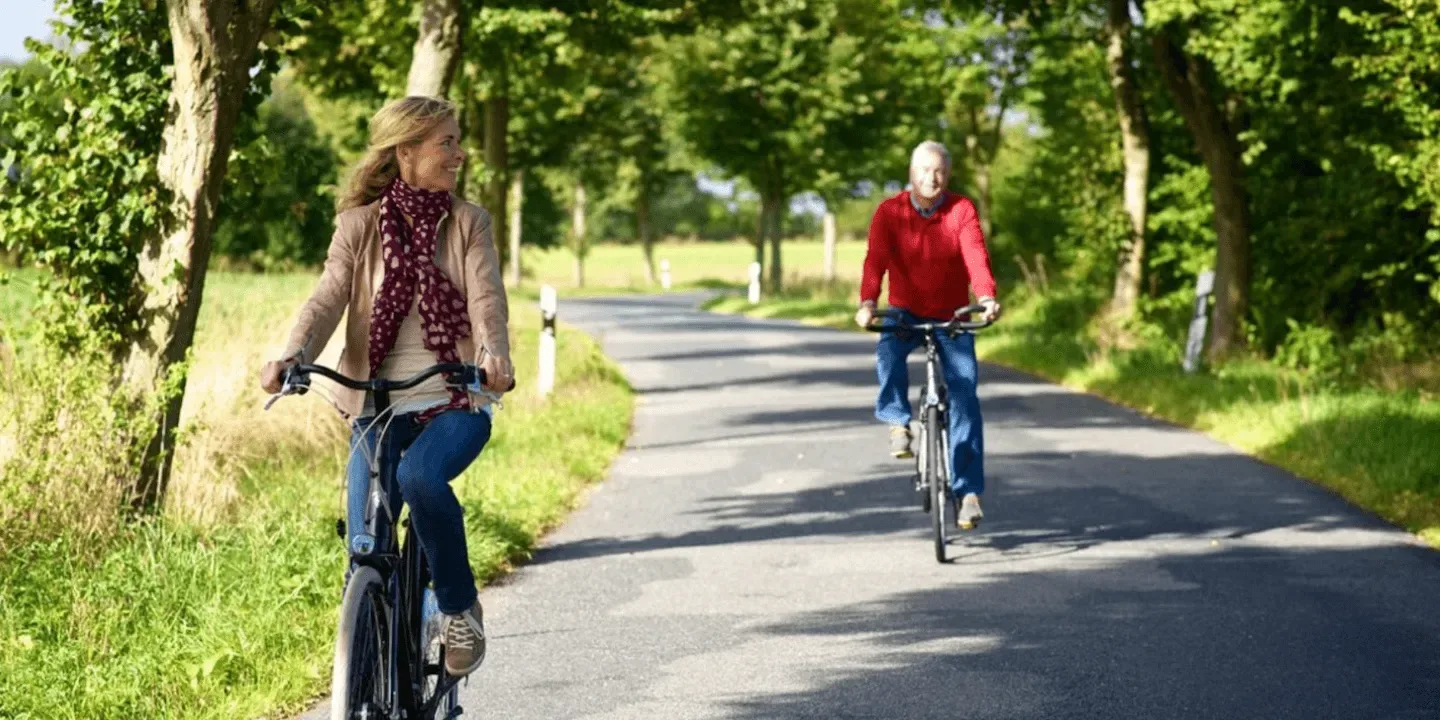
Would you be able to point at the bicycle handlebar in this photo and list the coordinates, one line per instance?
(929, 327)
(295, 380)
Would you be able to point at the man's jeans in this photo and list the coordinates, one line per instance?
(435, 454)
(961, 373)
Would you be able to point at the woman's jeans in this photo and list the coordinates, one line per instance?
(434, 454)
(961, 374)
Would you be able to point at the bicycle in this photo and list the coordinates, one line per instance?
(389, 658)
(932, 449)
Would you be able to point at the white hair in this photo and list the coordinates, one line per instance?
(930, 146)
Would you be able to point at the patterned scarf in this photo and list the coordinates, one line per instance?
(409, 256)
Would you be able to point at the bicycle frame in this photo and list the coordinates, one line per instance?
(398, 560)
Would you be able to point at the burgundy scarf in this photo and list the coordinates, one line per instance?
(409, 256)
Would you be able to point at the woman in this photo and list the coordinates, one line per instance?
(417, 270)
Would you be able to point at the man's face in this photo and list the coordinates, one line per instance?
(929, 176)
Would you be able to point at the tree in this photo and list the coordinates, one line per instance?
(437, 48)
(1135, 147)
(765, 99)
(215, 43)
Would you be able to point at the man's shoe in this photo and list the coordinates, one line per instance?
(465, 641)
(900, 442)
(970, 515)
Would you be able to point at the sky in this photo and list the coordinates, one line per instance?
(20, 19)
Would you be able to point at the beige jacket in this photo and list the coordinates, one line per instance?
(353, 272)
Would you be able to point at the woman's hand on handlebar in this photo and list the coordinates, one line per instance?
(865, 315)
(992, 310)
(498, 373)
(271, 373)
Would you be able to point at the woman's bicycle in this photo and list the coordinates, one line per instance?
(932, 447)
(389, 656)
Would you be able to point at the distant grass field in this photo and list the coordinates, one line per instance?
(692, 264)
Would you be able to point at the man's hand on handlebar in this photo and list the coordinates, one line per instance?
(992, 311)
(865, 315)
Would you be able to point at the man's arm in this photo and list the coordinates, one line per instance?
(977, 258)
(877, 261)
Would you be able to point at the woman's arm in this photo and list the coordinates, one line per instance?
(321, 313)
(488, 307)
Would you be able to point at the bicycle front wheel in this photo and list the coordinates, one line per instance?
(942, 511)
(358, 684)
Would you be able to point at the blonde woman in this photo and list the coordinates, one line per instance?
(417, 271)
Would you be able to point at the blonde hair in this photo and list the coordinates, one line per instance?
(401, 122)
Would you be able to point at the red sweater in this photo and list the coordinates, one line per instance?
(933, 262)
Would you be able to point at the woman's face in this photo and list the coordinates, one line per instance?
(433, 163)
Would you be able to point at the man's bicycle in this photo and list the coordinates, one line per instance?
(389, 657)
(932, 446)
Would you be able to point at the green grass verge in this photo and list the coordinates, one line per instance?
(234, 618)
(1374, 447)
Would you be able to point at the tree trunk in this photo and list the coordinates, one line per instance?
(762, 230)
(642, 230)
(577, 233)
(777, 273)
(1186, 77)
(828, 225)
(497, 169)
(517, 203)
(214, 44)
(1135, 142)
(437, 49)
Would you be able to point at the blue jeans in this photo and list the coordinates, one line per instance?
(434, 454)
(961, 374)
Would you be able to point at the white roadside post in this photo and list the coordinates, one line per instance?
(1195, 343)
(549, 305)
(665, 274)
(754, 283)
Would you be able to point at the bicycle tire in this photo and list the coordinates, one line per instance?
(922, 477)
(936, 481)
(359, 674)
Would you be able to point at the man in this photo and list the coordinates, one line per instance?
(930, 243)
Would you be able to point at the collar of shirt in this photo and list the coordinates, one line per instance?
(933, 207)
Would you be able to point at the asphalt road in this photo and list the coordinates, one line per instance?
(756, 554)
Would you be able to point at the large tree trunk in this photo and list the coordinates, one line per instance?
(517, 203)
(437, 49)
(1135, 143)
(642, 231)
(497, 168)
(577, 233)
(777, 213)
(214, 45)
(828, 229)
(1187, 78)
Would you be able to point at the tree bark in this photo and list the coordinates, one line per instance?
(517, 203)
(777, 273)
(497, 167)
(642, 230)
(214, 44)
(437, 49)
(1186, 77)
(577, 233)
(1135, 144)
(828, 229)
(762, 230)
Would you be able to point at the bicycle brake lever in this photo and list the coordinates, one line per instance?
(273, 398)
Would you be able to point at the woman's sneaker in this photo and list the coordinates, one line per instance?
(465, 641)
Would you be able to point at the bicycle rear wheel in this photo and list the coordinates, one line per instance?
(358, 684)
(942, 511)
